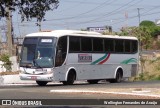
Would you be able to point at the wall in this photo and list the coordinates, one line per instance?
(15, 66)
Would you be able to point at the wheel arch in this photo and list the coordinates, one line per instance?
(118, 69)
(69, 70)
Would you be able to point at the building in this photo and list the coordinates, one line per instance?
(100, 29)
(157, 22)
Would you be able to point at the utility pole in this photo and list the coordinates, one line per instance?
(39, 25)
(9, 31)
(139, 16)
(140, 43)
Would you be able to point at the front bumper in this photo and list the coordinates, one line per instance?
(47, 77)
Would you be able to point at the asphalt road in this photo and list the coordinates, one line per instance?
(37, 92)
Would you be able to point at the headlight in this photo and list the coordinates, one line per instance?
(48, 72)
(22, 72)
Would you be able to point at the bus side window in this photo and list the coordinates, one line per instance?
(74, 44)
(127, 46)
(134, 46)
(109, 45)
(61, 51)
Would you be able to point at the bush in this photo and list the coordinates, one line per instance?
(146, 77)
(7, 63)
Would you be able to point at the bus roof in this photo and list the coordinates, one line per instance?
(60, 33)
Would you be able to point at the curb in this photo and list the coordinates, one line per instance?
(103, 92)
(14, 84)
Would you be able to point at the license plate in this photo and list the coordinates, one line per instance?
(33, 77)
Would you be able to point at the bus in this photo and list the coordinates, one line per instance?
(70, 55)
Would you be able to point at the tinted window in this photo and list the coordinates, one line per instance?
(74, 43)
(97, 44)
(62, 44)
(61, 51)
(28, 52)
(127, 46)
(109, 45)
(134, 46)
(30, 41)
(119, 46)
(86, 44)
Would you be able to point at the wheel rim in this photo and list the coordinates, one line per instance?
(71, 78)
(119, 77)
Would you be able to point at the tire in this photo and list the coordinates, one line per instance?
(92, 81)
(70, 79)
(118, 78)
(42, 83)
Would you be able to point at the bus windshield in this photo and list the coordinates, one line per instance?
(38, 52)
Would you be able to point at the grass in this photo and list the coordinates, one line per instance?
(151, 70)
(9, 73)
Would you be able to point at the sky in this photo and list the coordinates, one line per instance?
(80, 14)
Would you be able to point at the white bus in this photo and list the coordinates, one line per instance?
(69, 55)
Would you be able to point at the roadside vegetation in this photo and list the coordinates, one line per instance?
(7, 65)
(6, 62)
(147, 34)
(149, 70)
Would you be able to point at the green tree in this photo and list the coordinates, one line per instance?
(147, 23)
(125, 31)
(28, 9)
(155, 31)
(144, 35)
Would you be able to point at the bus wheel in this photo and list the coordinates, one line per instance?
(71, 78)
(92, 81)
(41, 83)
(118, 78)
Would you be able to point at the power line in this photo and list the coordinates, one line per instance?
(84, 2)
(112, 11)
(101, 15)
(121, 20)
(136, 17)
(89, 11)
(109, 19)
(139, 16)
(83, 16)
(126, 7)
(72, 7)
(147, 11)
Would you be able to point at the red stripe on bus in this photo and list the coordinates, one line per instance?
(105, 59)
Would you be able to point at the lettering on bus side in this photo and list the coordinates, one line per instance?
(84, 57)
